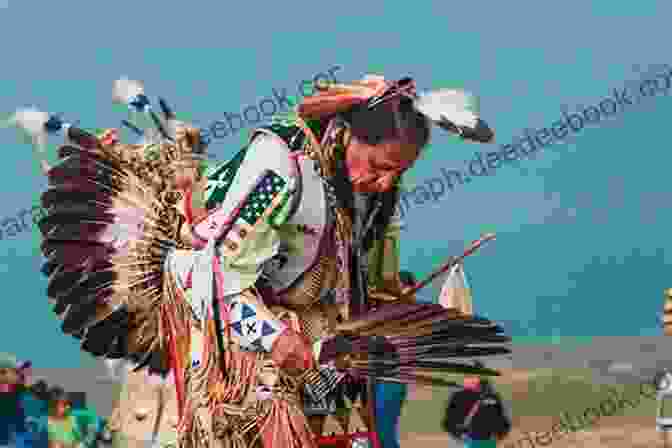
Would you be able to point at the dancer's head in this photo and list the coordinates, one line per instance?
(384, 142)
(388, 124)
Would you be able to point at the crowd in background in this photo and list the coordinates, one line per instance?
(36, 414)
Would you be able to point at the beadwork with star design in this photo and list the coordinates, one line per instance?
(254, 332)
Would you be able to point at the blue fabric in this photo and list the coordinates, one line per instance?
(471, 443)
(34, 407)
(36, 413)
(390, 398)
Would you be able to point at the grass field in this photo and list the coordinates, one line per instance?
(538, 393)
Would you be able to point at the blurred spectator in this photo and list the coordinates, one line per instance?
(36, 403)
(36, 406)
(34, 416)
(476, 415)
(12, 418)
(87, 419)
(63, 428)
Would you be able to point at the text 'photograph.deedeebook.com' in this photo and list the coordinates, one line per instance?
(533, 141)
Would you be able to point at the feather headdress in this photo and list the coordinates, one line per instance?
(130, 92)
(456, 111)
(38, 125)
(453, 110)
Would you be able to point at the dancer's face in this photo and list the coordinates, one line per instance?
(375, 169)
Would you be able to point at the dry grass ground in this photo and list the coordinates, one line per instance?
(538, 399)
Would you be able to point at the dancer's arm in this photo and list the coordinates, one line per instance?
(250, 244)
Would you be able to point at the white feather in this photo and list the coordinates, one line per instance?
(124, 89)
(32, 121)
(457, 106)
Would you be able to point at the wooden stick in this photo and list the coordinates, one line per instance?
(449, 264)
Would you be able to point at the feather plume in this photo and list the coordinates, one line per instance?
(33, 122)
(37, 125)
(456, 111)
(132, 93)
(457, 106)
(105, 245)
(124, 90)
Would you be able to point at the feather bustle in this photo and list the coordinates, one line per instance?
(106, 241)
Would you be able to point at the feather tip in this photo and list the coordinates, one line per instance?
(124, 90)
(30, 120)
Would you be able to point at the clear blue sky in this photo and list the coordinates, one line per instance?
(583, 230)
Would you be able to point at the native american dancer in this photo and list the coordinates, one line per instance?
(268, 284)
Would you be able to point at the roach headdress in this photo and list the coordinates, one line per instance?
(453, 110)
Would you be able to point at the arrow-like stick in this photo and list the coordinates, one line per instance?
(450, 263)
